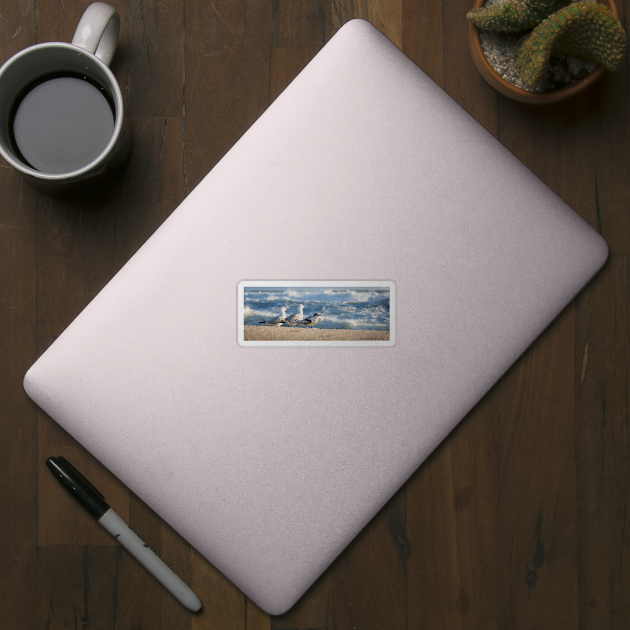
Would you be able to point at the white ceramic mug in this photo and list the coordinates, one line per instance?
(87, 58)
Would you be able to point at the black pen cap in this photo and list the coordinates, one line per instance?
(78, 486)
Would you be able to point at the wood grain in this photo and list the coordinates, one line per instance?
(609, 133)
(18, 324)
(558, 147)
(154, 57)
(226, 78)
(224, 606)
(602, 380)
(313, 609)
(369, 579)
(461, 79)
(537, 537)
(285, 64)
(18, 416)
(452, 518)
(151, 187)
(76, 587)
(386, 15)
(300, 23)
(422, 36)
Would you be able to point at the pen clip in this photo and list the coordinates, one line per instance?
(74, 471)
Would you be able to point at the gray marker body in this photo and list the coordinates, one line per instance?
(149, 559)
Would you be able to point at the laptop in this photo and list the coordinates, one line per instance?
(433, 257)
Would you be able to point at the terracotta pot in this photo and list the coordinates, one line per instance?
(508, 89)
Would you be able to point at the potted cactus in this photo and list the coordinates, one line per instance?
(554, 49)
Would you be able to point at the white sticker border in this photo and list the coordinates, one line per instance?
(316, 283)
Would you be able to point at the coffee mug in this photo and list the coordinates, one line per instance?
(62, 115)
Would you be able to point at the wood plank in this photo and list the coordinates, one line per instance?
(423, 36)
(608, 129)
(255, 618)
(17, 28)
(76, 587)
(452, 527)
(562, 144)
(575, 147)
(312, 611)
(224, 606)
(300, 22)
(18, 416)
(154, 57)
(603, 443)
(74, 257)
(537, 537)
(57, 22)
(18, 420)
(557, 149)
(461, 78)
(171, 158)
(226, 78)
(140, 600)
(386, 15)
(606, 124)
(152, 185)
(285, 64)
(369, 586)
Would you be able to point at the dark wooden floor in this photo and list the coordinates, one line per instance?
(518, 520)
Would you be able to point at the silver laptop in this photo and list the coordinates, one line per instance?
(368, 196)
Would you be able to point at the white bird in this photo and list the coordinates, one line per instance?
(312, 320)
(277, 321)
(292, 320)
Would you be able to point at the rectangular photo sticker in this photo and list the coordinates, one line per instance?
(316, 313)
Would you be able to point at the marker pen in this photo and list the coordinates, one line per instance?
(94, 502)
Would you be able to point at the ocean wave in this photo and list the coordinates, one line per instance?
(371, 323)
(335, 296)
(255, 317)
(342, 307)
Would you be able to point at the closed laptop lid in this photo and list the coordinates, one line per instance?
(269, 459)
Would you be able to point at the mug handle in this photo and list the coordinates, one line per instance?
(98, 30)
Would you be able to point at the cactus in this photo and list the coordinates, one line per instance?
(583, 29)
(513, 16)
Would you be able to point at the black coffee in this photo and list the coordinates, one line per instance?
(62, 123)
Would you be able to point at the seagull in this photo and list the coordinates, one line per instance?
(292, 320)
(312, 320)
(277, 321)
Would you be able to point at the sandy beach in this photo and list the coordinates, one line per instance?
(271, 333)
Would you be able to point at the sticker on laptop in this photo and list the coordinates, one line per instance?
(316, 313)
